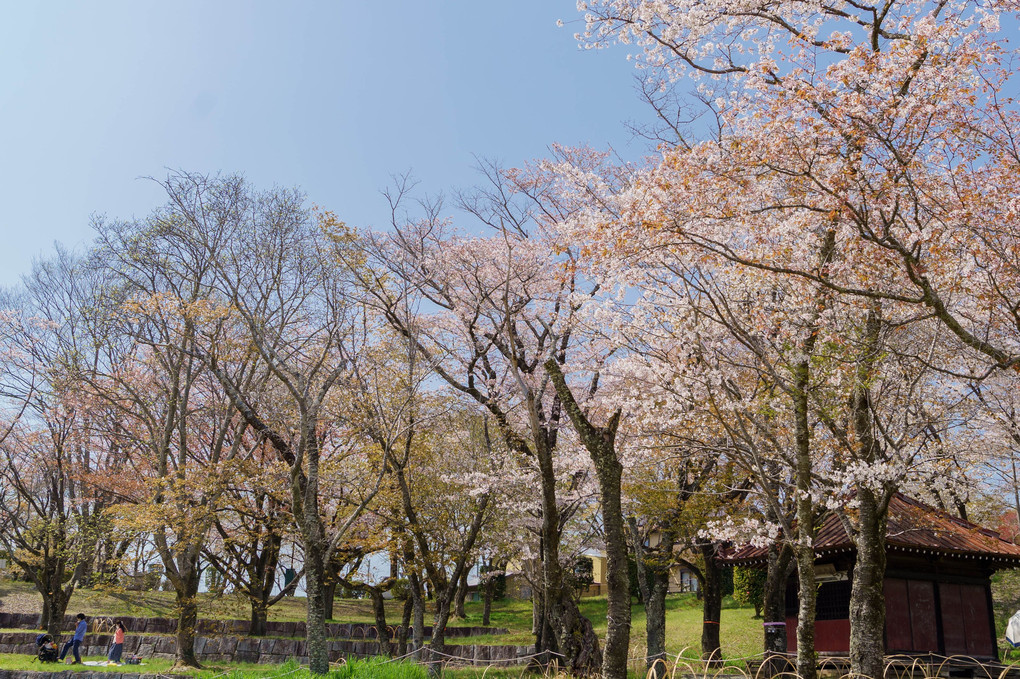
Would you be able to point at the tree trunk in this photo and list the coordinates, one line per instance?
(437, 642)
(259, 615)
(541, 627)
(867, 596)
(405, 623)
(655, 623)
(262, 578)
(711, 605)
(187, 617)
(537, 611)
(805, 544)
(382, 630)
(53, 611)
(600, 443)
(446, 590)
(55, 599)
(653, 569)
(418, 604)
(572, 635)
(490, 586)
(328, 598)
(614, 662)
(806, 594)
(780, 562)
(318, 653)
(461, 597)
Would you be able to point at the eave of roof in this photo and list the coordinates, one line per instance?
(912, 527)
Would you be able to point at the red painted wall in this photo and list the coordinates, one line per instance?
(910, 621)
(965, 620)
(831, 636)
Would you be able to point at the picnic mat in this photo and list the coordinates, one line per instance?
(102, 663)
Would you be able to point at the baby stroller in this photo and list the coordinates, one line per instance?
(45, 648)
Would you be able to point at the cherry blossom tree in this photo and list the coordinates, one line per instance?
(440, 463)
(287, 311)
(858, 149)
(52, 515)
(445, 510)
(852, 375)
(174, 424)
(487, 312)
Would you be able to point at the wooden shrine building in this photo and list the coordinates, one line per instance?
(938, 596)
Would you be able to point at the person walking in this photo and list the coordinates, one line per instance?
(118, 644)
(76, 640)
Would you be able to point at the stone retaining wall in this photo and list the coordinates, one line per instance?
(240, 627)
(255, 649)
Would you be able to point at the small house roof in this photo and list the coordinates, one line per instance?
(912, 527)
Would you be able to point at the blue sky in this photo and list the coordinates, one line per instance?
(333, 97)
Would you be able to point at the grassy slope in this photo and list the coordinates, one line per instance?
(741, 635)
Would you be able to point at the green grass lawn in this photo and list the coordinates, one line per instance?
(368, 669)
(741, 634)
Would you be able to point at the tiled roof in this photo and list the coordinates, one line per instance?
(912, 527)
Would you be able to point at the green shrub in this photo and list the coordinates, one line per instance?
(749, 587)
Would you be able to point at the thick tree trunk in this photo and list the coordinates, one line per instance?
(653, 571)
(711, 604)
(867, 597)
(53, 611)
(545, 640)
(614, 662)
(187, 617)
(259, 616)
(541, 625)
(55, 599)
(806, 593)
(318, 653)
(600, 443)
(655, 625)
(382, 630)
(572, 634)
